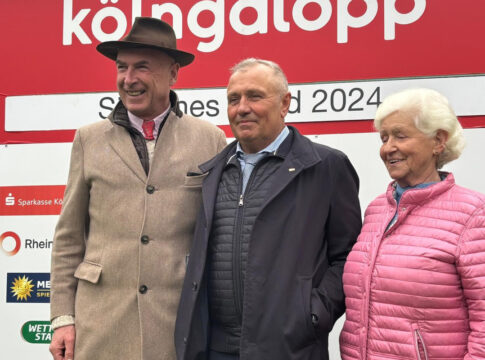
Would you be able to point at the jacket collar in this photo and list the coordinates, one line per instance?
(418, 196)
(299, 150)
(299, 155)
(119, 115)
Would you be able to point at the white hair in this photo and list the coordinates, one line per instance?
(278, 72)
(431, 112)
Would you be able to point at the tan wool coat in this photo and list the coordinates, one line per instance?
(123, 237)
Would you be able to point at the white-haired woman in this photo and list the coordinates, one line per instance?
(415, 280)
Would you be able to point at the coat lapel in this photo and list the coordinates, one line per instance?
(121, 142)
(301, 156)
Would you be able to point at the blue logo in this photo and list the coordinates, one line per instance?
(28, 287)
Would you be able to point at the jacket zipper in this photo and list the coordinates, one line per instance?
(236, 259)
(420, 346)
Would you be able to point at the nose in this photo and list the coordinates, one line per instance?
(389, 146)
(130, 77)
(243, 106)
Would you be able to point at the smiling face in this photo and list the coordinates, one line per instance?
(256, 107)
(409, 155)
(144, 80)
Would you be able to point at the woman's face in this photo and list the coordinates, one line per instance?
(409, 155)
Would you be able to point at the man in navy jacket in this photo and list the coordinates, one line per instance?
(279, 216)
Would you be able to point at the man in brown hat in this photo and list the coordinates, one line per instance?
(122, 240)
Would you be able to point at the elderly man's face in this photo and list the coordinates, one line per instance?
(144, 80)
(409, 155)
(256, 108)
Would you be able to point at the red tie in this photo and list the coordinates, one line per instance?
(148, 127)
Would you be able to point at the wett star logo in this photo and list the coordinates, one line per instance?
(10, 243)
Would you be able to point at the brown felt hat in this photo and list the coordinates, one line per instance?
(150, 33)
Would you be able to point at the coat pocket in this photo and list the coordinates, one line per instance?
(306, 292)
(419, 344)
(88, 271)
(194, 180)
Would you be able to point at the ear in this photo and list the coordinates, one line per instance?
(174, 71)
(440, 138)
(285, 104)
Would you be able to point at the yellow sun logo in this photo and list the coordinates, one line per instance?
(22, 288)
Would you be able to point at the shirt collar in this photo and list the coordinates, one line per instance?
(271, 148)
(137, 122)
(400, 190)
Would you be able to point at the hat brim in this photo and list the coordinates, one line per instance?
(110, 49)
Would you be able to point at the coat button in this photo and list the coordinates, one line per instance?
(143, 289)
(314, 320)
(194, 286)
(145, 239)
(185, 340)
(150, 189)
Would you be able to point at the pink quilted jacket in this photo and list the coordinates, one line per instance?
(417, 290)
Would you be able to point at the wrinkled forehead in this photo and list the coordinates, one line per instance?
(146, 54)
(255, 77)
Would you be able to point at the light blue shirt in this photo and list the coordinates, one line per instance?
(398, 194)
(249, 161)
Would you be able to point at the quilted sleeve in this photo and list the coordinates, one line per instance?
(471, 267)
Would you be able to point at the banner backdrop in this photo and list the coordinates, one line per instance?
(342, 57)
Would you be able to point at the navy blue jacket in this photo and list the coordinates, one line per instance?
(299, 244)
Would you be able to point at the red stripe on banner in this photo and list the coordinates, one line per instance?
(308, 128)
(356, 126)
(31, 200)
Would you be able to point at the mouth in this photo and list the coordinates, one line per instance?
(134, 93)
(245, 121)
(394, 161)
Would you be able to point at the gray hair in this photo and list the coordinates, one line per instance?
(278, 72)
(431, 112)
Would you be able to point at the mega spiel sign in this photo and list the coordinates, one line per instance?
(341, 57)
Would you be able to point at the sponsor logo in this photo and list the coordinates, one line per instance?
(10, 238)
(9, 200)
(28, 287)
(11, 243)
(32, 200)
(76, 23)
(37, 332)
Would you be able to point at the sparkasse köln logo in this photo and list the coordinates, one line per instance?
(28, 287)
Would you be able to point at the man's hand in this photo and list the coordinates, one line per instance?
(62, 344)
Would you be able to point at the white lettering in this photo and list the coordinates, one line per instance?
(279, 16)
(135, 9)
(260, 25)
(9, 200)
(216, 29)
(158, 10)
(312, 25)
(102, 14)
(393, 17)
(72, 26)
(345, 20)
(212, 36)
(44, 284)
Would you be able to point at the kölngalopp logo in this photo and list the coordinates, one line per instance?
(28, 287)
(7, 239)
